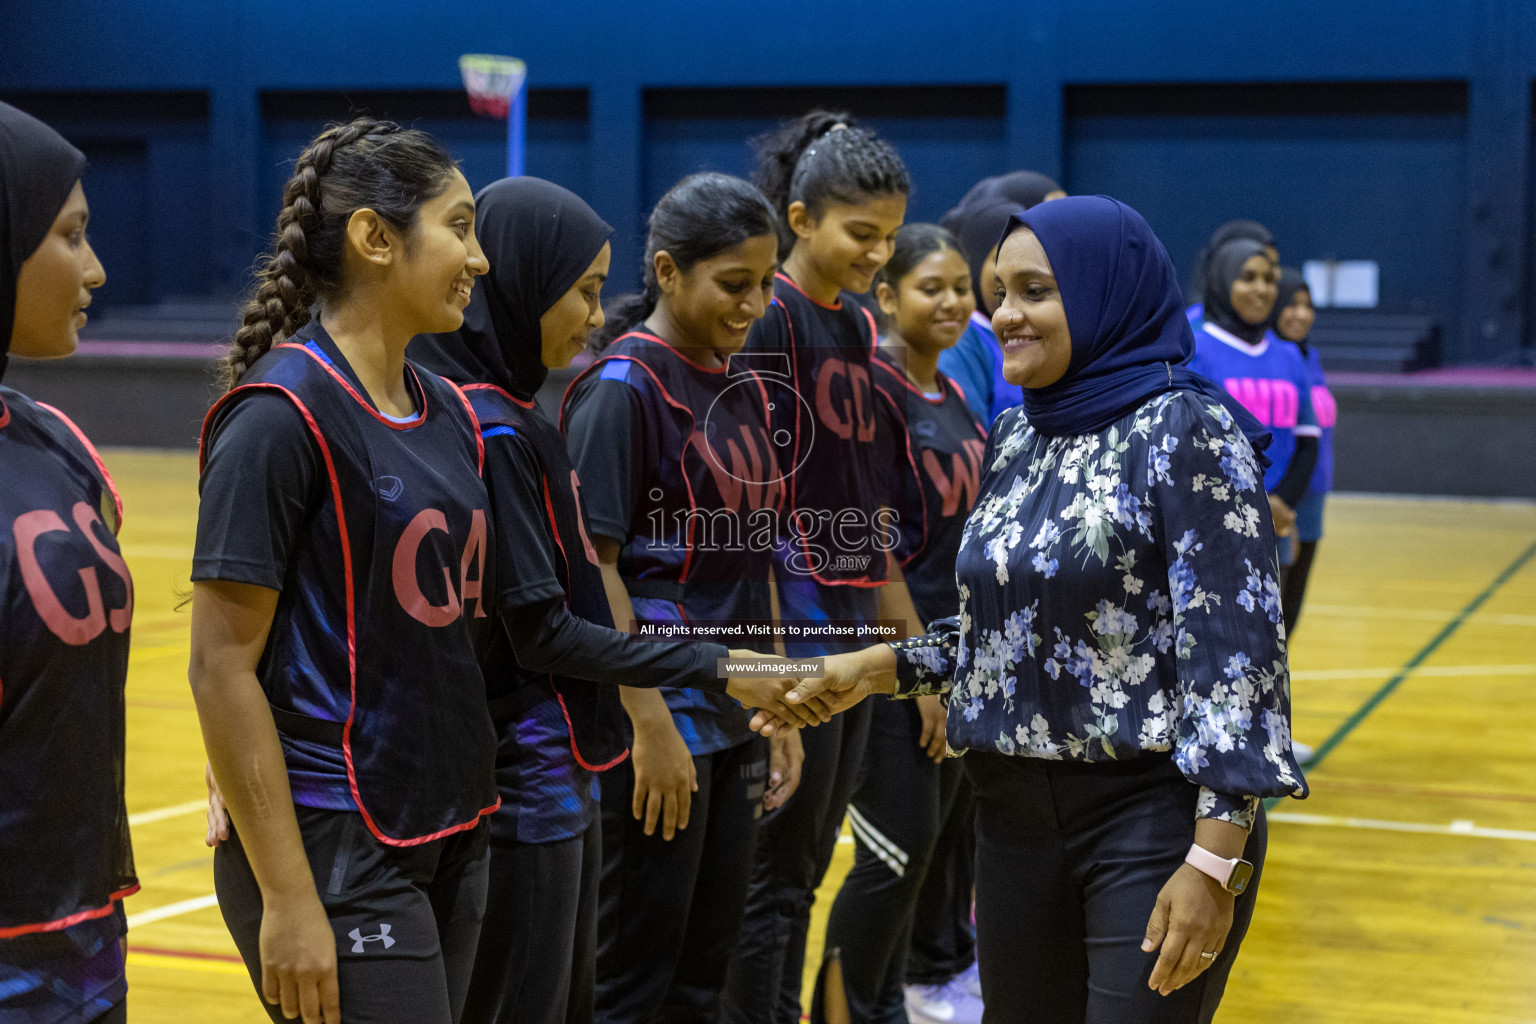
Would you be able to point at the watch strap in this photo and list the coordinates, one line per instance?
(1219, 868)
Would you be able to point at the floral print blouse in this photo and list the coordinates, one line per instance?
(1119, 597)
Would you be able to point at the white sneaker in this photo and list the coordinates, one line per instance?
(1303, 753)
(970, 979)
(949, 1003)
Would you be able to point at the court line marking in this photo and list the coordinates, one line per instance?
(1455, 828)
(161, 813)
(176, 909)
(1358, 785)
(1443, 671)
(1354, 611)
(1386, 690)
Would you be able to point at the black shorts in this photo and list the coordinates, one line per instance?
(406, 919)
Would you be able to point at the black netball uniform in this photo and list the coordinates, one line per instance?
(65, 858)
(552, 636)
(830, 564)
(678, 467)
(905, 803)
(374, 532)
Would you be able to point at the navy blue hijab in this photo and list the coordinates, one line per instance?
(1130, 338)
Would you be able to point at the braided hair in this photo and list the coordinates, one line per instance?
(825, 157)
(364, 163)
(699, 218)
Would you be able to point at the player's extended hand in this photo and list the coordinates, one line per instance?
(846, 679)
(218, 814)
(768, 693)
(298, 958)
(786, 756)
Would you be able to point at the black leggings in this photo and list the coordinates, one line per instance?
(943, 935)
(670, 911)
(897, 815)
(1293, 583)
(794, 847)
(1070, 859)
(538, 946)
(406, 918)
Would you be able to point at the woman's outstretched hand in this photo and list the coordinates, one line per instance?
(768, 693)
(846, 679)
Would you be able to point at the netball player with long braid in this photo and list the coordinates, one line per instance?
(342, 546)
(65, 858)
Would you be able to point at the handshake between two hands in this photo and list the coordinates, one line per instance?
(824, 687)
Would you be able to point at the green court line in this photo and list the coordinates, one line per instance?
(1390, 686)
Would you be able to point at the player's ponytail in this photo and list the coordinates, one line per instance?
(365, 163)
(825, 157)
(698, 219)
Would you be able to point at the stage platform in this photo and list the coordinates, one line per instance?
(1468, 431)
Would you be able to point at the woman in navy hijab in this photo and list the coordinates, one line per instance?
(1117, 670)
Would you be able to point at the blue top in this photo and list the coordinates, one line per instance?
(1119, 598)
(975, 362)
(1270, 380)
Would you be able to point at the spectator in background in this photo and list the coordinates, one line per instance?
(1230, 231)
(1293, 322)
(976, 361)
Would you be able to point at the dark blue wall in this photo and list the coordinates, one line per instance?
(1415, 152)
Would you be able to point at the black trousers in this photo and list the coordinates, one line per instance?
(897, 814)
(538, 946)
(1070, 859)
(670, 912)
(794, 847)
(943, 935)
(406, 918)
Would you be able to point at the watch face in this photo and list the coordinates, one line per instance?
(1242, 874)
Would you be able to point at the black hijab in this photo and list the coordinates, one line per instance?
(1021, 188)
(978, 228)
(1291, 282)
(1230, 231)
(1225, 268)
(38, 169)
(539, 239)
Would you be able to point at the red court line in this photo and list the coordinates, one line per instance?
(186, 954)
(1325, 783)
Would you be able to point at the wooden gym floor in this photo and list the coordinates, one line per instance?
(1403, 891)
